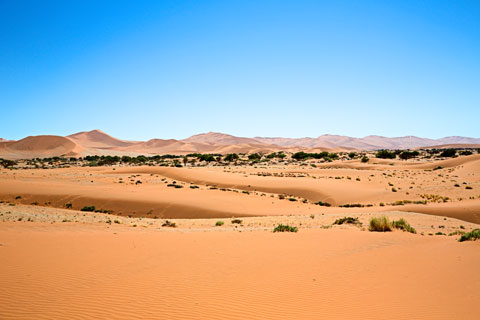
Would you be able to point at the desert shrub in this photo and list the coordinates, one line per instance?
(380, 224)
(219, 223)
(292, 199)
(7, 163)
(466, 153)
(18, 197)
(88, 208)
(254, 156)
(207, 157)
(347, 220)
(402, 224)
(408, 154)
(385, 154)
(236, 221)
(170, 224)
(352, 155)
(470, 236)
(68, 205)
(468, 188)
(285, 228)
(448, 153)
(322, 155)
(194, 187)
(324, 204)
(365, 159)
(174, 185)
(231, 157)
(352, 205)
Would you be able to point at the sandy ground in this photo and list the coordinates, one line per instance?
(216, 192)
(87, 268)
(59, 263)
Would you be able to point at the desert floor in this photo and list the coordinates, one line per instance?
(65, 263)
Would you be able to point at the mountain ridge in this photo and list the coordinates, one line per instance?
(101, 143)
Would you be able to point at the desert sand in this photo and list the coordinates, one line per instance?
(88, 268)
(126, 261)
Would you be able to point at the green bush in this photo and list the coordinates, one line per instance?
(408, 154)
(365, 159)
(236, 221)
(470, 236)
(219, 223)
(323, 204)
(254, 156)
(347, 220)
(285, 228)
(88, 208)
(380, 224)
(385, 154)
(402, 224)
(448, 153)
(231, 157)
(322, 155)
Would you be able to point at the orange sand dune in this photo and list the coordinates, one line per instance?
(98, 139)
(72, 271)
(39, 146)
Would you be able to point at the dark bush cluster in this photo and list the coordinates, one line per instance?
(231, 157)
(448, 153)
(7, 163)
(385, 154)
(299, 156)
(285, 228)
(404, 155)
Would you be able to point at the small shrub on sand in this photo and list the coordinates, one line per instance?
(402, 224)
(470, 236)
(323, 204)
(170, 224)
(236, 221)
(347, 220)
(365, 159)
(380, 224)
(285, 228)
(219, 223)
(68, 205)
(88, 208)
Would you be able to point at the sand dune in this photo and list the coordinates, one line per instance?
(369, 142)
(98, 139)
(454, 145)
(219, 139)
(40, 146)
(82, 271)
(96, 142)
(253, 191)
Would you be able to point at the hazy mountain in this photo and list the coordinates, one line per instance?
(100, 143)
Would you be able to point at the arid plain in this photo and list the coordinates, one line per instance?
(191, 236)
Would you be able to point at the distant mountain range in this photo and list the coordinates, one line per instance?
(100, 143)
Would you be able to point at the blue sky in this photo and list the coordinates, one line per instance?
(170, 69)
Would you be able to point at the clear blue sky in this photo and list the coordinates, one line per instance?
(170, 69)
